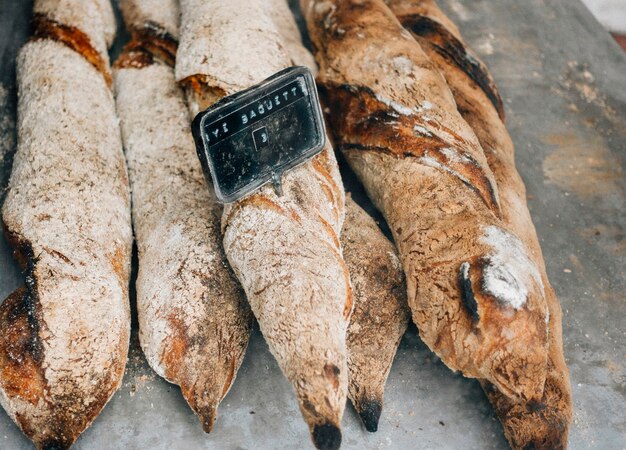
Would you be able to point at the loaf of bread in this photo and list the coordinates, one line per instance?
(476, 295)
(285, 249)
(381, 312)
(539, 424)
(194, 320)
(64, 335)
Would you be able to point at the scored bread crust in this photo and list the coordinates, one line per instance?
(158, 17)
(381, 313)
(194, 320)
(285, 249)
(64, 335)
(543, 424)
(475, 295)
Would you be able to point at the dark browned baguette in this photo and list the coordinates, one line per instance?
(475, 294)
(64, 334)
(542, 424)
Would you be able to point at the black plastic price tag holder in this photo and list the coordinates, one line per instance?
(252, 137)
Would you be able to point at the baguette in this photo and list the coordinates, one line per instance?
(285, 249)
(381, 314)
(543, 424)
(64, 335)
(194, 320)
(476, 297)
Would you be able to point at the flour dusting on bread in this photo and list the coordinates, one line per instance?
(509, 271)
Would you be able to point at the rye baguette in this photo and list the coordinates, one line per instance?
(194, 320)
(381, 312)
(65, 333)
(476, 297)
(545, 424)
(285, 249)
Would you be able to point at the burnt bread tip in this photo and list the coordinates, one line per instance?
(395, 120)
(369, 410)
(326, 436)
(381, 313)
(285, 249)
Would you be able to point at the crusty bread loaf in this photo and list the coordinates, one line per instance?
(543, 424)
(381, 312)
(476, 296)
(194, 320)
(64, 335)
(285, 249)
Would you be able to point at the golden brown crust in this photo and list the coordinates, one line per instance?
(368, 119)
(135, 55)
(444, 42)
(543, 423)
(475, 294)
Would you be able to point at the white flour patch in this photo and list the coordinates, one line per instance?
(398, 107)
(418, 129)
(426, 105)
(432, 162)
(510, 270)
(454, 155)
(403, 65)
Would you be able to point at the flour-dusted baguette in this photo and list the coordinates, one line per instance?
(194, 320)
(284, 249)
(64, 334)
(381, 312)
(292, 40)
(476, 296)
(543, 424)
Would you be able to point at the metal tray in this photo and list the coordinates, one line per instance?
(564, 85)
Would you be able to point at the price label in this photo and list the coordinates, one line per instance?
(252, 137)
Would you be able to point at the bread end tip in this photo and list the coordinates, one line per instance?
(370, 411)
(327, 436)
